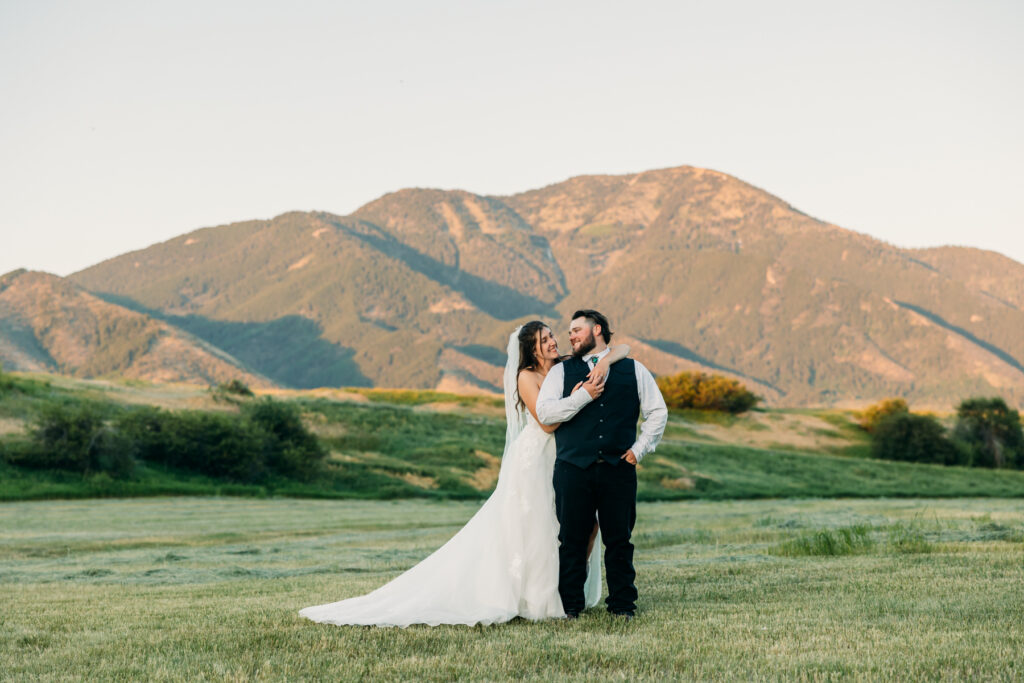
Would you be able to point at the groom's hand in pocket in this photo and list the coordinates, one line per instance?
(629, 457)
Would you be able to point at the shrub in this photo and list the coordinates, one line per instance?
(234, 392)
(77, 437)
(289, 448)
(991, 432)
(914, 438)
(267, 438)
(28, 387)
(701, 391)
(236, 387)
(872, 415)
(216, 444)
(152, 432)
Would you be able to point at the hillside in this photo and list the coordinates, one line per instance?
(49, 324)
(406, 444)
(419, 288)
(986, 272)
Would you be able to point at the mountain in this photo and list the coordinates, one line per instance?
(695, 268)
(312, 300)
(708, 267)
(985, 272)
(48, 324)
(479, 242)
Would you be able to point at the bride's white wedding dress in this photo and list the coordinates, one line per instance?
(502, 564)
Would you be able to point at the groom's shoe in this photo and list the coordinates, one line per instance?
(625, 616)
(572, 615)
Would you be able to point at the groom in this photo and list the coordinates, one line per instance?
(597, 452)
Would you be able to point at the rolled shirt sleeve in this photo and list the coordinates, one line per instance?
(653, 409)
(551, 407)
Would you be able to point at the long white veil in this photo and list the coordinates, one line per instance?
(515, 414)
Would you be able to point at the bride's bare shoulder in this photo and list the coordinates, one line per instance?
(527, 375)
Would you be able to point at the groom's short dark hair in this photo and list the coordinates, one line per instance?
(596, 318)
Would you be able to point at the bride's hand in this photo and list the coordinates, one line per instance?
(599, 373)
(593, 388)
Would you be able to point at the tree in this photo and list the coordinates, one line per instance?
(991, 431)
(874, 414)
(914, 438)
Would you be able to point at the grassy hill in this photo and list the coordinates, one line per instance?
(419, 288)
(423, 444)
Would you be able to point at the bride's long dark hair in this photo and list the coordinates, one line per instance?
(528, 360)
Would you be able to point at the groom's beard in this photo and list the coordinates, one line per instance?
(585, 347)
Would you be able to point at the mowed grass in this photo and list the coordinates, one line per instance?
(209, 589)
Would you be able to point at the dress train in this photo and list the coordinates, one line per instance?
(502, 564)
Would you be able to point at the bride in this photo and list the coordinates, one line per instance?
(504, 562)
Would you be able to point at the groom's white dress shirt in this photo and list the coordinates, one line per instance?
(552, 408)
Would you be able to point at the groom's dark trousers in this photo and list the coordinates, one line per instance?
(590, 478)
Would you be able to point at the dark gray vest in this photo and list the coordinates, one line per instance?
(606, 427)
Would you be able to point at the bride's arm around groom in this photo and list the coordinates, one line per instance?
(552, 408)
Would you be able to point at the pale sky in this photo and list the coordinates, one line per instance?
(123, 124)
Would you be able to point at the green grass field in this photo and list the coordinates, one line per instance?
(769, 546)
(209, 588)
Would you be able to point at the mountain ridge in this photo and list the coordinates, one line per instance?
(49, 324)
(420, 288)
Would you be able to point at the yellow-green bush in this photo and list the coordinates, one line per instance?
(874, 414)
(701, 391)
